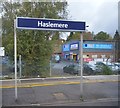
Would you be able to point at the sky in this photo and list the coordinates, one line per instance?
(99, 15)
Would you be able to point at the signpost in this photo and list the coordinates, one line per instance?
(81, 66)
(46, 24)
(15, 58)
(20, 64)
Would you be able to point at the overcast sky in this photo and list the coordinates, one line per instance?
(99, 15)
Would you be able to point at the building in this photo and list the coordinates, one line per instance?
(119, 17)
(92, 50)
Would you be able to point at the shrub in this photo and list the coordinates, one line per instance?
(106, 70)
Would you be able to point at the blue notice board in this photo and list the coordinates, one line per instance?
(98, 46)
(66, 47)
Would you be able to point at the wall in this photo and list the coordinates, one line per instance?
(92, 49)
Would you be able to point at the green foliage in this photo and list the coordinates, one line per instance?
(71, 36)
(116, 36)
(102, 36)
(106, 70)
(117, 45)
(35, 47)
(76, 36)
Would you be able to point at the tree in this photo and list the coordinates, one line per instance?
(102, 36)
(116, 36)
(87, 36)
(35, 47)
(71, 36)
(117, 45)
(106, 70)
(76, 36)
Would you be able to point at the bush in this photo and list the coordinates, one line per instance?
(106, 70)
(36, 70)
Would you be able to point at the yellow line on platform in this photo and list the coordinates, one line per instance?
(29, 85)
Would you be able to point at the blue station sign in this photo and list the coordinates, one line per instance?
(49, 24)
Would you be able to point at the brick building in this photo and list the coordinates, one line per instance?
(92, 49)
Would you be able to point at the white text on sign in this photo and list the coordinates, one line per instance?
(49, 24)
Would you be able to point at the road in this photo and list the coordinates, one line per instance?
(54, 93)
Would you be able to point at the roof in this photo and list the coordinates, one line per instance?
(112, 41)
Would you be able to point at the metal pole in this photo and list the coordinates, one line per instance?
(15, 58)
(50, 68)
(81, 66)
(20, 65)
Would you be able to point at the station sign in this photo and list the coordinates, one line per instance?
(49, 24)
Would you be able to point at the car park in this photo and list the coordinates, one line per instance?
(92, 66)
(71, 69)
(118, 64)
(115, 68)
(96, 67)
(75, 69)
(100, 67)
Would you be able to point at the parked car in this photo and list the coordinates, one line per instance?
(71, 69)
(92, 66)
(88, 70)
(115, 69)
(118, 64)
(98, 67)
(75, 69)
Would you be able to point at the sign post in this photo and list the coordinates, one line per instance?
(81, 66)
(20, 64)
(47, 24)
(15, 58)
